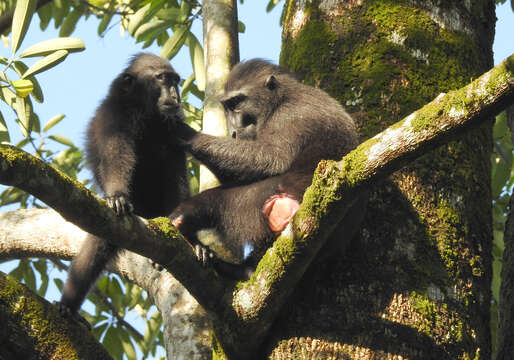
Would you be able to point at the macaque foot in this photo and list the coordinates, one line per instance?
(120, 203)
(203, 254)
(67, 313)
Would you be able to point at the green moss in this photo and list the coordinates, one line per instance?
(436, 320)
(393, 55)
(165, 226)
(353, 164)
(306, 59)
(39, 324)
(217, 349)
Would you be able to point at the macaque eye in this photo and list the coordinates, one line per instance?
(175, 79)
(168, 78)
(233, 103)
(161, 76)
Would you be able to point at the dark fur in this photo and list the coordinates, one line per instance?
(279, 130)
(135, 165)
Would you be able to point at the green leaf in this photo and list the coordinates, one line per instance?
(4, 77)
(23, 110)
(28, 275)
(145, 31)
(241, 27)
(175, 42)
(185, 9)
(70, 22)
(4, 132)
(46, 63)
(501, 169)
(500, 127)
(106, 19)
(52, 122)
(37, 93)
(59, 283)
(40, 266)
(8, 96)
(128, 347)
(23, 87)
(21, 20)
(45, 15)
(172, 14)
(112, 342)
(271, 5)
(102, 284)
(61, 9)
(196, 53)
(153, 326)
(186, 85)
(137, 19)
(22, 143)
(48, 47)
(99, 330)
(143, 15)
(36, 125)
(62, 139)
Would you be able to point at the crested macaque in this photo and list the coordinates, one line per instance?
(279, 130)
(133, 161)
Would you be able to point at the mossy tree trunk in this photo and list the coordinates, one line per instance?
(416, 282)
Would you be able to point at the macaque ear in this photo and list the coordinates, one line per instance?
(127, 82)
(271, 82)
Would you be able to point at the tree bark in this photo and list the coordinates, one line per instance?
(33, 329)
(416, 283)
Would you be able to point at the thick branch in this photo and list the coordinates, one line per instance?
(33, 328)
(157, 240)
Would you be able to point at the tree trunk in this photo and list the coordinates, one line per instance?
(416, 282)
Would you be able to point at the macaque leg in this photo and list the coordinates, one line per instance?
(83, 272)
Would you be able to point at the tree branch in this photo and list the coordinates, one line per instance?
(156, 239)
(33, 328)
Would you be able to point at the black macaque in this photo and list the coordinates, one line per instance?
(135, 164)
(279, 129)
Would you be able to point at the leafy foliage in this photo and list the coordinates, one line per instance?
(502, 186)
